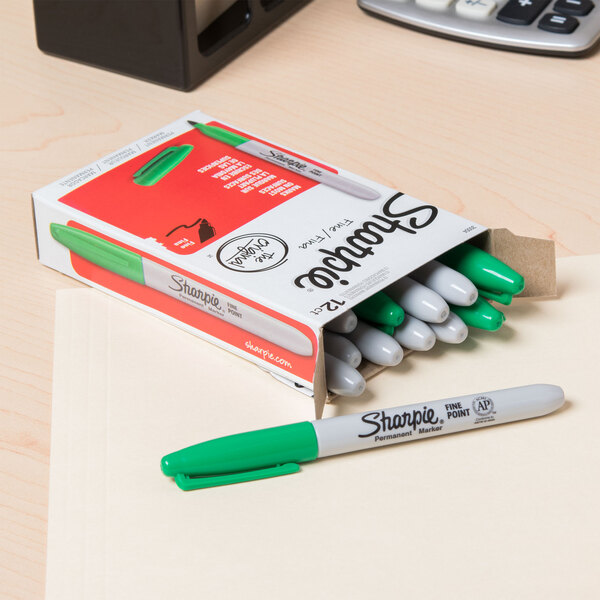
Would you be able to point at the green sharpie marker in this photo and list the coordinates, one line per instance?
(264, 453)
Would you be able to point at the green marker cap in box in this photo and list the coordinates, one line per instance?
(218, 133)
(480, 315)
(483, 269)
(380, 309)
(242, 457)
(101, 252)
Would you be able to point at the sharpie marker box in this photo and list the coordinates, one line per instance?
(249, 245)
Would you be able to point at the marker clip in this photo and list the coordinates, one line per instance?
(500, 297)
(187, 483)
(164, 162)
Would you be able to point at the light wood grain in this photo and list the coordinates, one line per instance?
(504, 139)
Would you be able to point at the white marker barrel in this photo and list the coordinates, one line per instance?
(383, 427)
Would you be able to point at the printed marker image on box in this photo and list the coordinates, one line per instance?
(288, 161)
(162, 164)
(149, 273)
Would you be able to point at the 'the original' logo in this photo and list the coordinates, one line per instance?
(252, 253)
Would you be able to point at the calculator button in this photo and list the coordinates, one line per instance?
(522, 12)
(475, 9)
(434, 4)
(558, 23)
(577, 8)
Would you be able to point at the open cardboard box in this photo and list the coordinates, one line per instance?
(248, 245)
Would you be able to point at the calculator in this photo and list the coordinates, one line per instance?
(557, 27)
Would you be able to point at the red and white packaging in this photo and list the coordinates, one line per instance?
(291, 248)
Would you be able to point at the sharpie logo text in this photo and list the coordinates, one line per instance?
(204, 297)
(290, 161)
(360, 244)
(381, 422)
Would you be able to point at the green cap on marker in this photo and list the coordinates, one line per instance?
(242, 457)
(380, 309)
(162, 164)
(483, 269)
(101, 252)
(218, 133)
(480, 315)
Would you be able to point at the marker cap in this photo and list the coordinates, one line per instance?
(452, 331)
(341, 347)
(483, 269)
(101, 252)
(451, 285)
(343, 379)
(154, 170)
(481, 315)
(414, 334)
(381, 309)
(242, 457)
(376, 346)
(344, 323)
(218, 133)
(418, 300)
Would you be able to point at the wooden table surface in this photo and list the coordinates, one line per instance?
(505, 139)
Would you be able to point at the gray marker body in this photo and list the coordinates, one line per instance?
(383, 427)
